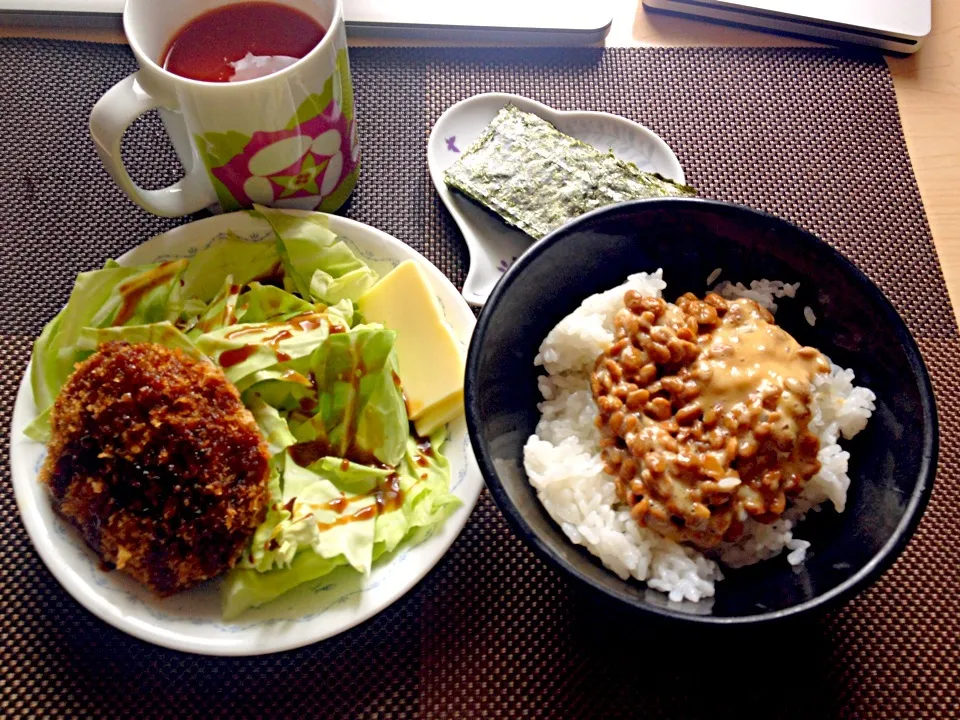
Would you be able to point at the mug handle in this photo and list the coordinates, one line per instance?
(109, 119)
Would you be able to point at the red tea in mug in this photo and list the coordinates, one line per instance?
(242, 41)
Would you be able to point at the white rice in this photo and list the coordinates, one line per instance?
(762, 292)
(564, 464)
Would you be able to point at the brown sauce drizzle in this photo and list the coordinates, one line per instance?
(133, 290)
(308, 324)
(387, 497)
(298, 415)
(424, 448)
(304, 321)
(229, 358)
(308, 452)
(366, 513)
(339, 504)
(284, 331)
(274, 276)
(278, 338)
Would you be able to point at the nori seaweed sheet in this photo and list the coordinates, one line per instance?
(536, 178)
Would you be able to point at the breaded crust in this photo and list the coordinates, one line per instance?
(156, 461)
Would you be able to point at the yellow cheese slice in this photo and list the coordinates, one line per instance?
(430, 359)
(440, 414)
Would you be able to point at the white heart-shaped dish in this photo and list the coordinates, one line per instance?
(493, 245)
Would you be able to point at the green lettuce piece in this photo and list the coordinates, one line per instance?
(325, 509)
(261, 552)
(190, 311)
(39, 428)
(244, 588)
(262, 346)
(162, 333)
(302, 554)
(220, 313)
(296, 479)
(285, 390)
(351, 477)
(311, 520)
(346, 311)
(268, 303)
(246, 260)
(273, 427)
(45, 380)
(307, 245)
(349, 286)
(264, 303)
(427, 500)
(321, 532)
(361, 408)
(115, 295)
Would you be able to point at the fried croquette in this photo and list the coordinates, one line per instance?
(158, 464)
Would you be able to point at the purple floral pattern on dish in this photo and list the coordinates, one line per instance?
(505, 264)
(451, 144)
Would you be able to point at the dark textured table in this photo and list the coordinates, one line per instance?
(810, 135)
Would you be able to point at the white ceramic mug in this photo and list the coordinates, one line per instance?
(287, 140)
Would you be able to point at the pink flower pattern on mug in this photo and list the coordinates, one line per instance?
(312, 162)
(294, 167)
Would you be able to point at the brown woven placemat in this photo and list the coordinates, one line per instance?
(810, 135)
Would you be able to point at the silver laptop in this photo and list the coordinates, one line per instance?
(892, 25)
(542, 22)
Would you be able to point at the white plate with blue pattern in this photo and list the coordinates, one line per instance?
(493, 245)
(315, 611)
